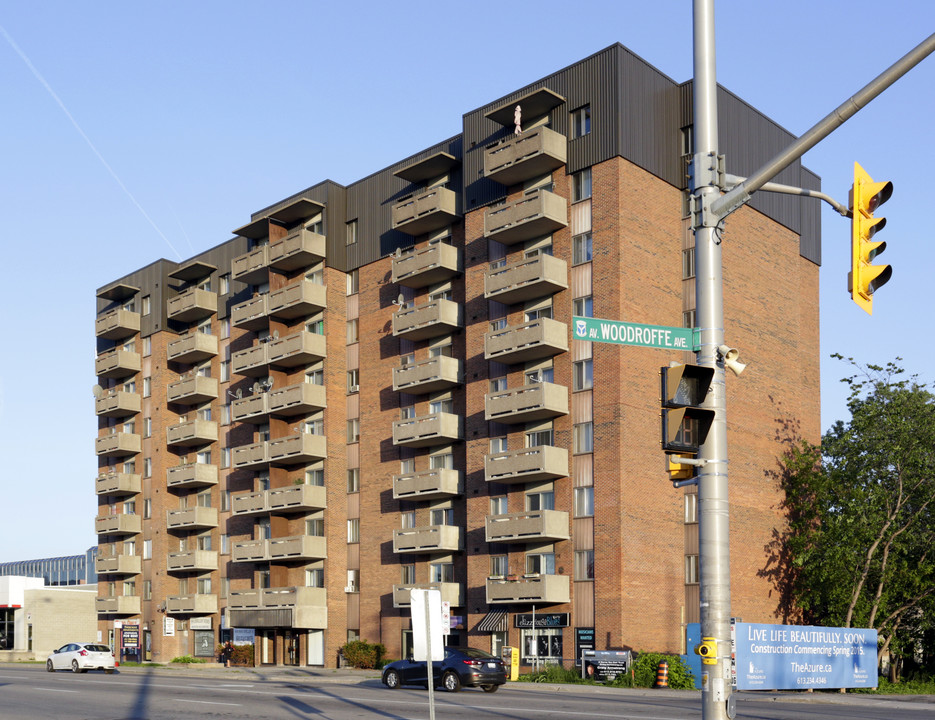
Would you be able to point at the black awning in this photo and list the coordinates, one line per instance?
(492, 622)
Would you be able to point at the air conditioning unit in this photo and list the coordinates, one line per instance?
(350, 589)
(354, 388)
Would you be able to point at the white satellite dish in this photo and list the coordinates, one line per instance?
(97, 391)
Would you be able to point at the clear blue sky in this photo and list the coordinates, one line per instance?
(134, 131)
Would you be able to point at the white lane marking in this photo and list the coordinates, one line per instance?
(56, 690)
(205, 702)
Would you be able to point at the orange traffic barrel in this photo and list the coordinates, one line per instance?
(662, 674)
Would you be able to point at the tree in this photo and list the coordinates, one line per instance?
(861, 511)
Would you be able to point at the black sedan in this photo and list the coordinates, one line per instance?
(467, 667)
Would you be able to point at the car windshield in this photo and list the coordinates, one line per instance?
(475, 653)
(97, 648)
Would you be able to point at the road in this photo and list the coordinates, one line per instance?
(27, 692)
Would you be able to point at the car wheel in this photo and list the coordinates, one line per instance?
(49, 667)
(75, 668)
(451, 681)
(391, 679)
(489, 688)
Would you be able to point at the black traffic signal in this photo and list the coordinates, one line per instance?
(685, 423)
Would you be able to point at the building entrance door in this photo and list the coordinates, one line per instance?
(290, 643)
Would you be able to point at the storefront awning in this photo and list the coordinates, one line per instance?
(493, 622)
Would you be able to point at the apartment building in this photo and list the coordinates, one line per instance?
(373, 388)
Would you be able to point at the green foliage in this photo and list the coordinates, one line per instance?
(555, 674)
(912, 687)
(643, 672)
(187, 660)
(361, 654)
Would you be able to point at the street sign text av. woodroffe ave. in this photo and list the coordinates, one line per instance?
(622, 333)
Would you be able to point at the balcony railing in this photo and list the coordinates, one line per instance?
(297, 250)
(426, 210)
(300, 348)
(304, 607)
(427, 485)
(122, 524)
(529, 526)
(536, 401)
(535, 340)
(193, 347)
(299, 547)
(119, 444)
(430, 319)
(451, 592)
(252, 362)
(292, 499)
(301, 448)
(192, 604)
(527, 279)
(193, 390)
(251, 314)
(192, 561)
(299, 300)
(542, 589)
(252, 455)
(193, 304)
(118, 565)
(521, 157)
(118, 484)
(192, 475)
(427, 266)
(117, 403)
(252, 267)
(430, 375)
(428, 539)
(117, 324)
(299, 399)
(192, 518)
(117, 363)
(192, 432)
(436, 429)
(536, 214)
(532, 464)
(121, 605)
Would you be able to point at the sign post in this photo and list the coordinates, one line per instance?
(427, 645)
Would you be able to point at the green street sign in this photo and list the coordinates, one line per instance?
(614, 331)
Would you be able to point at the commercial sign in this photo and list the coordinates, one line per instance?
(584, 640)
(797, 657)
(542, 620)
(622, 333)
(605, 665)
(130, 636)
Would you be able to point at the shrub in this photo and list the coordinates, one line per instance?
(187, 659)
(361, 654)
(555, 674)
(240, 654)
(643, 672)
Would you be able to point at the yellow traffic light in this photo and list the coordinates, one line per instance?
(677, 470)
(865, 278)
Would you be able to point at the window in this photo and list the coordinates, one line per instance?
(316, 327)
(129, 467)
(204, 499)
(147, 346)
(583, 374)
(407, 574)
(581, 248)
(691, 508)
(688, 318)
(225, 414)
(225, 457)
(499, 566)
(539, 437)
(498, 505)
(407, 359)
(497, 445)
(225, 544)
(441, 350)
(353, 378)
(204, 585)
(224, 284)
(442, 572)
(147, 589)
(353, 480)
(225, 500)
(442, 461)
(353, 331)
(204, 541)
(540, 501)
(225, 370)
(353, 530)
(540, 564)
(315, 476)
(353, 585)
(688, 263)
(263, 579)
(262, 480)
(147, 427)
(204, 327)
(147, 467)
(353, 281)
(225, 587)
(497, 325)
(580, 122)
(407, 519)
(583, 306)
(314, 426)
(584, 437)
(147, 387)
(543, 312)
(542, 375)
(315, 577)
(584, 565)
(129, 587)
(441, 406)
(147, 508)
(315, 376)
(315, 527)
(225, 328)
(351, 237)
(581, 185)
(407, 466)
(204, 413)
(147, 305)
(687, 139)
(353, 430)
(442, 516)
(584, 501)
(497, 384)
(691, 569)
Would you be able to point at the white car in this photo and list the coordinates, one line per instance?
(81, 657)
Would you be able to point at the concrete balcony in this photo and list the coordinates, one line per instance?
(522, 157)
(543, 589)
(536, 214)
(452, 593)
(299, 300)
(121, 524)
(120, 444)
(425, 376)
(298, 449)
(528, 279)
(299, 399)
(427, 266)
(193, 390)
(117, 324)
(431, 319)
(530, 526)
(427, 485)
(251, 314)
(280, 501)
(192, 475)
(118, 565)
(193, 518)
(192, 561)
(426, 210)
(535, 340)
(253, 455)
(191, 305)
(117, 403)
(191, 604)
(297, 250)
(117, 364)
(305, 548)
(436, 429)
(252, 267)
(428, 539)
(296, 607)
(118, 484)
(536, 401)
(532, 464)
(122, 605)
(193, 347)
(252, 362)
(301, 348)
(192, 433)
